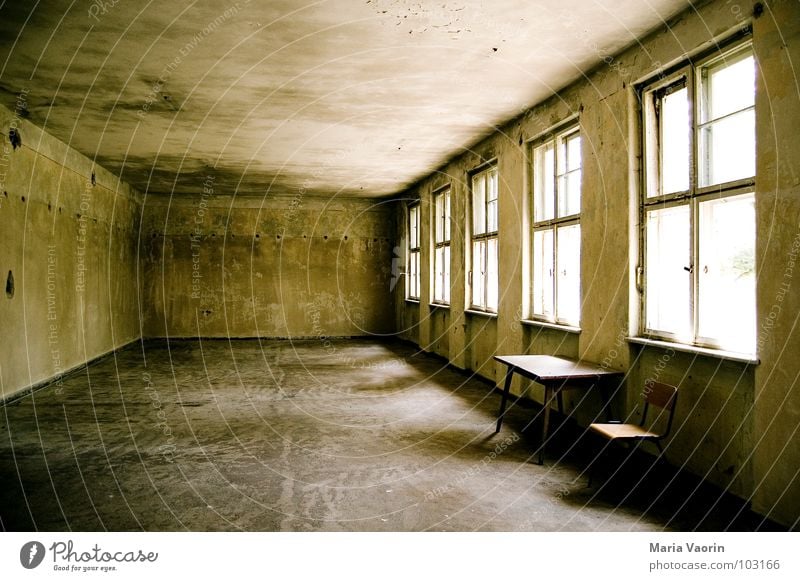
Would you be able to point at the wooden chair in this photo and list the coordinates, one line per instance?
(656, 394)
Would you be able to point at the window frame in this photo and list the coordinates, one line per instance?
(413, 247)
(442, 244)
(556, 137)
(488, 170)
(689, 74)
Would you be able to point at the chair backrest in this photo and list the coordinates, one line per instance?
(660, 395)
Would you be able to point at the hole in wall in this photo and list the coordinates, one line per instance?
(14, 137)
(22, 198)
(10, 285)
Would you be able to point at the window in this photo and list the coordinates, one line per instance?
(699, 206)
(412, 290)
(483, 272)
(441, 247)
(556, 256)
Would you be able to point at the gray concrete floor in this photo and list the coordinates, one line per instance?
(353, 435)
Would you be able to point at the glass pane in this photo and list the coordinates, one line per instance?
(413, 275)
(491, 178)
(675, 145)
(728, 149)
(478, 204)
(491, 201)
(446, 270)
(570, 153)
(544, 160)
(727, 279)
(729, 87)
(447, 215)
(492, 295)
(568, 260)
(438, 274)
(668, 279)
(491, 216)
(542, 273)
(569, 194)
(438, 218)
(413, 227)
(478, 260)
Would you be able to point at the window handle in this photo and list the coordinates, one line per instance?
(688, 269)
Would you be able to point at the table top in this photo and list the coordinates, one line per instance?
(547, 367)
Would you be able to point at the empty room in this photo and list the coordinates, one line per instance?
(400, 266)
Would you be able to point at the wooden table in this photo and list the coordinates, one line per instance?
(556, 374)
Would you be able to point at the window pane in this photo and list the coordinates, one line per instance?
(491, 178)
(413, 227)
(729, 87)
(491, 216)
(438, 218)
(542, 273)
(727, 280)
(668, 280)
(492, 294)
(675, 145)
(491, 201)
(478, 260)
(438, 273)
(544, 182)
(447, 215)
(568, 260)
(478, 204)
(446, 270)
(572, 152)
(413, 275)
(569, 194)
(728, 149)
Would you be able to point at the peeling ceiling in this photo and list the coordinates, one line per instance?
(357, 98)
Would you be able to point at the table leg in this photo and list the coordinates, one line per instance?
(506, 390)
(548, 400)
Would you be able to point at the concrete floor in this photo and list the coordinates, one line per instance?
(352, 435)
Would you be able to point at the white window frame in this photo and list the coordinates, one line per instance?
(556, 139)
(488, 236)
(441, 235)
(689, 75)
(414, 275)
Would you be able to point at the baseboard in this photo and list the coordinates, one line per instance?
(261, 337)
(27, 391)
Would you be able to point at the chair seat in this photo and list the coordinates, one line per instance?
(630, 431)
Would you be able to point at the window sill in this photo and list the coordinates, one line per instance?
(548, 325)
(445, 306)
(481, 313)
(684, 348)
(412, 301)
